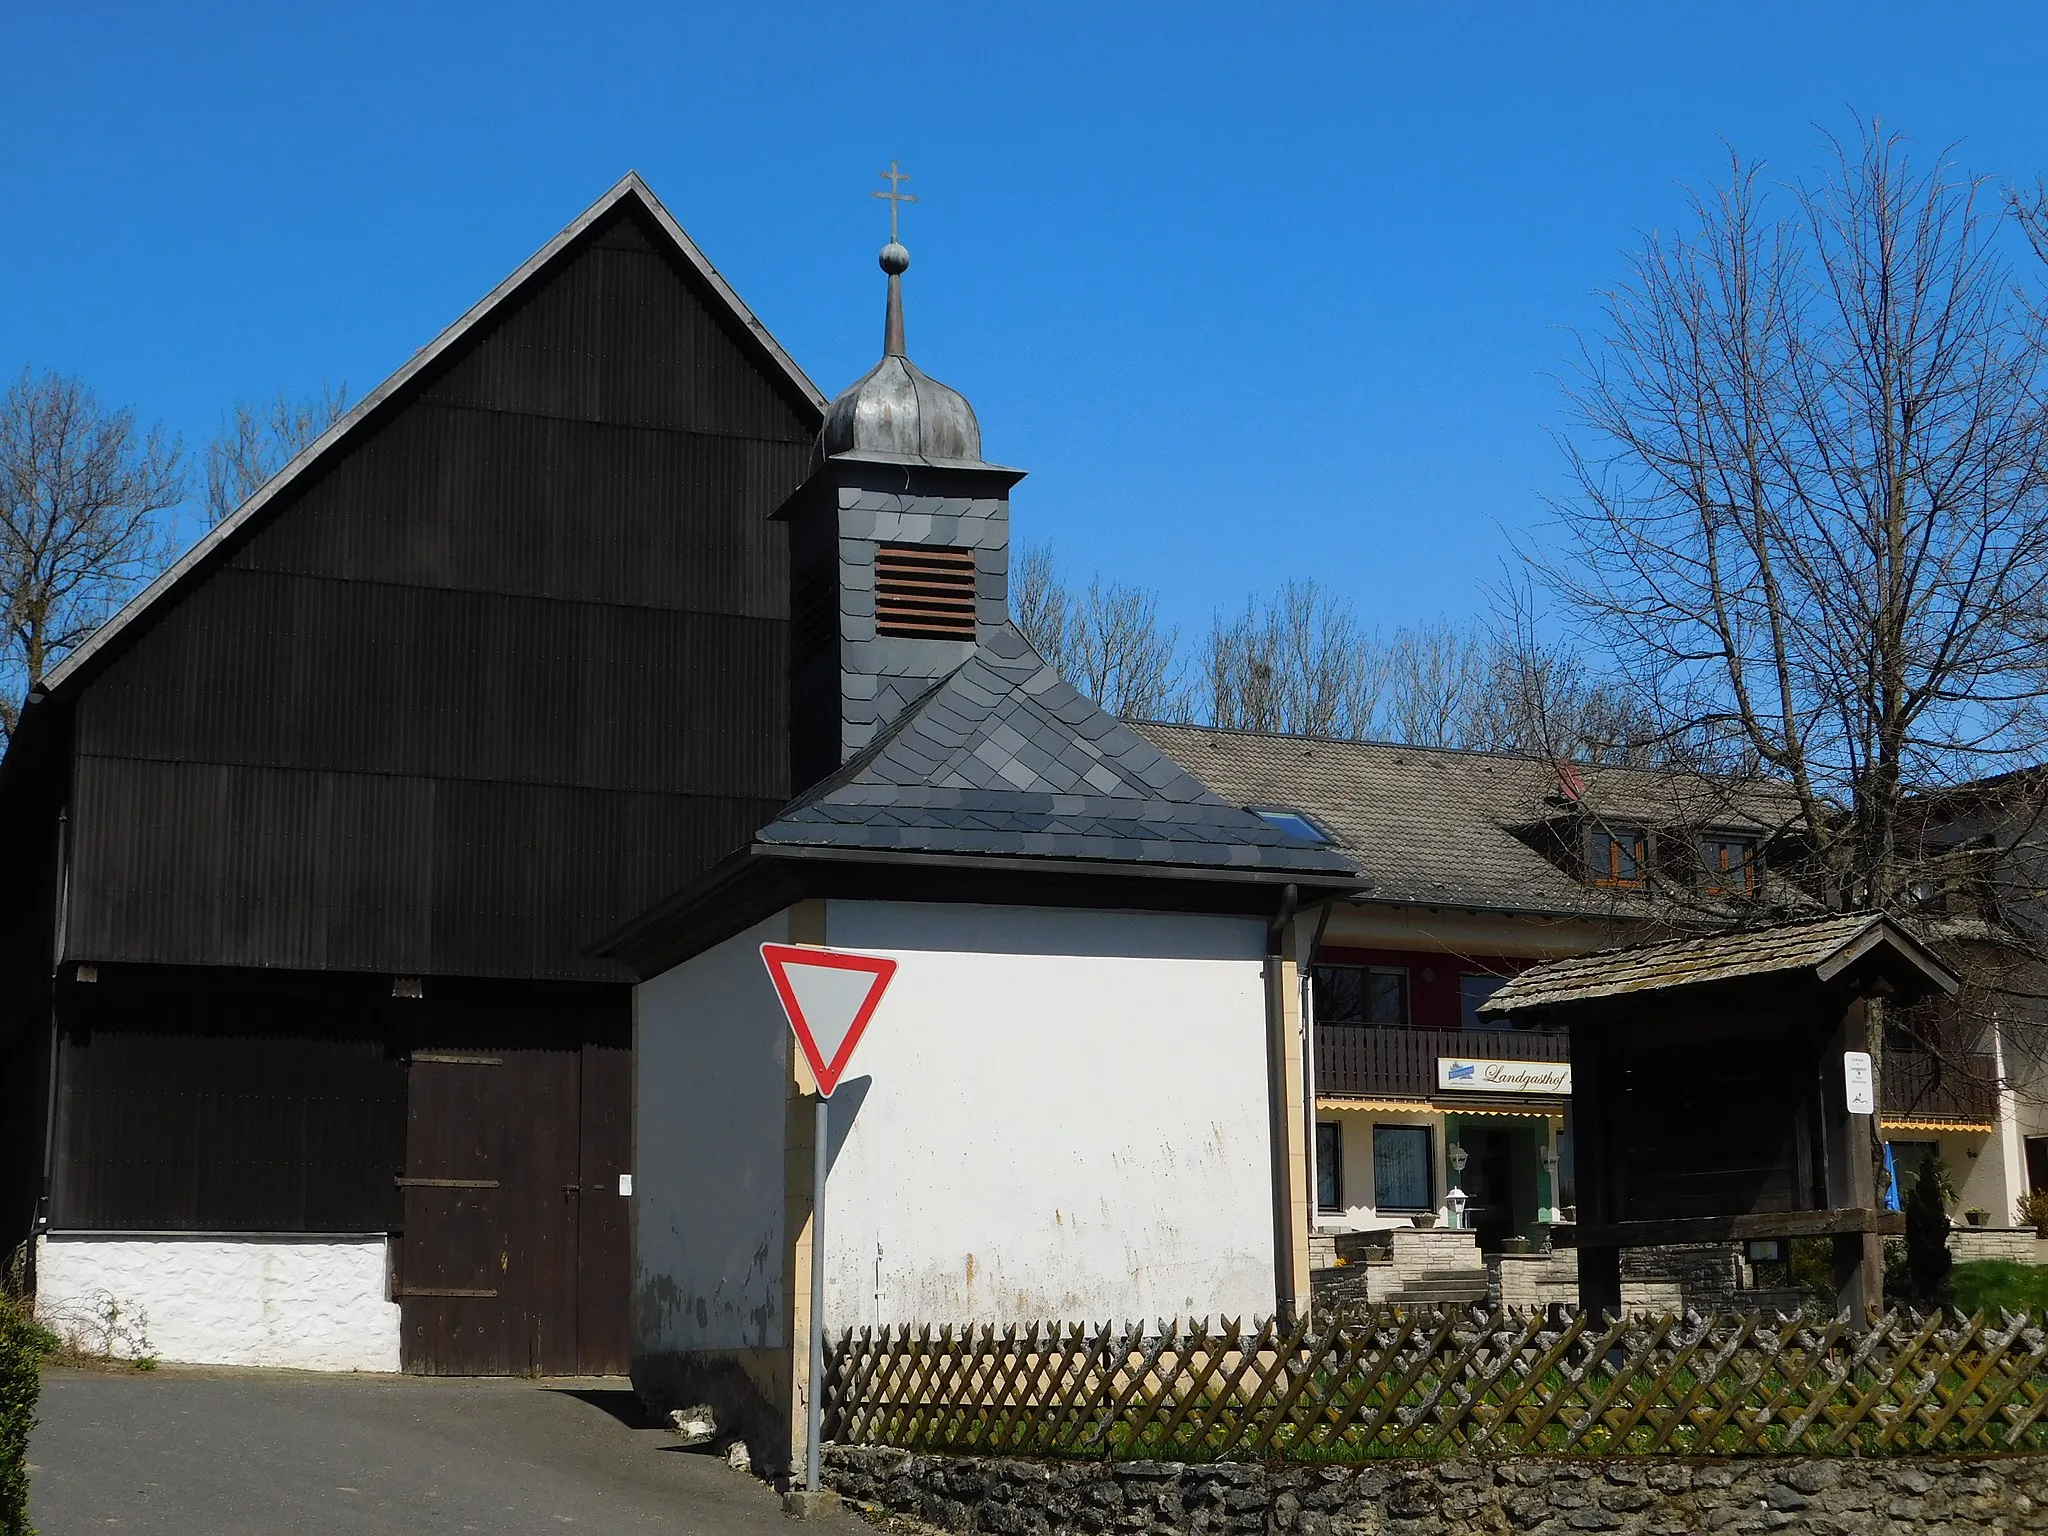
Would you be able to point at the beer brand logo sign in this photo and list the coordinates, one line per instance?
(1461, 1074)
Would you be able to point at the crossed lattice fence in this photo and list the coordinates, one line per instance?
(1392, 1381)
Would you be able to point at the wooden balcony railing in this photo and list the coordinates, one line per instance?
(1375, 1060)
(1918, 1084)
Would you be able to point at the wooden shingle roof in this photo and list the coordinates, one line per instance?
(1821, 950)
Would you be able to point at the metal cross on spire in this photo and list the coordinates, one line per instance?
(896, 195)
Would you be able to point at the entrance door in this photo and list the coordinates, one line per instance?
(1488, 1183)
(514, 1256)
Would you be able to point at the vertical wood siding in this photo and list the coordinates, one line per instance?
(197, 1113)
(504, 673)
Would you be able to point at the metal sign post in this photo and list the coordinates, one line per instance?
(828, 995)
(814, 1416)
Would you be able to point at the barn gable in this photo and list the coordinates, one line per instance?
(495, 664)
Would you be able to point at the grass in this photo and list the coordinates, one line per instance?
(1995, 1285)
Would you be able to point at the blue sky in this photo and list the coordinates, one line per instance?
(1253, 292)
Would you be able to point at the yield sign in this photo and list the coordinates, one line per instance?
(829, 996)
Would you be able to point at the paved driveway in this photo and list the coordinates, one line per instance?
(246, 1453)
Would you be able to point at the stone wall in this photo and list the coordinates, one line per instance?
(1419, 1252)
(2013, 1243)
(1530, 1496)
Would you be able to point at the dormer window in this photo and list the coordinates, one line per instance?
(1727, 865)
(1617, 856)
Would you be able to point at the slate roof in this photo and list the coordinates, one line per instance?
(1432, 827)
(1003, 758)
(1822, 948)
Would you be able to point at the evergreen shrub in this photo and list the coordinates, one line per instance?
(23, 1344)
(1928, 1260)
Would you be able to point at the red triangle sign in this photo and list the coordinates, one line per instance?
(829, 996)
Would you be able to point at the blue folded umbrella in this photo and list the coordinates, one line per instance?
(1891, 1187)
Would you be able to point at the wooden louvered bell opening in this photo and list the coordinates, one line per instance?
(924, 593)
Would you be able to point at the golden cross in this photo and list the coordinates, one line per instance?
(896, 195)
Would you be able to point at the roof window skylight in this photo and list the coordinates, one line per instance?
(1291, 824)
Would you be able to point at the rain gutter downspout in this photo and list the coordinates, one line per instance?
(1305, 986)
(60, 937)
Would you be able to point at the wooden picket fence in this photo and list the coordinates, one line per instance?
(1390, 1381)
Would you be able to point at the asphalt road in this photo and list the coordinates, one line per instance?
(248, 1453)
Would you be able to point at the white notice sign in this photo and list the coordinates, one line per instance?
(1856, 1074)
(1456, 1074)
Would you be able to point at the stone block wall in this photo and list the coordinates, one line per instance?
(1530, 1496)
(2013, 1243)
(1419, 1251)
(1709, 1275)
(1534, 1280)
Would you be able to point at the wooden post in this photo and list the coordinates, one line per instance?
(1596, 1112)
(1600, 1281)
(1847, 1141)
(1285, 1090)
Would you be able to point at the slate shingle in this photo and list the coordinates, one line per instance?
(1003, 757)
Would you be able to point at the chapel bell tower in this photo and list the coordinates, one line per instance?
(899, 545)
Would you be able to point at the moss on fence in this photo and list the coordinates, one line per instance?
(1392, 1382)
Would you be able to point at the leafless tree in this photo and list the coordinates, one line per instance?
(81, 490)
(1106, 640)
(1811, 518)
(1437, 676)
(1811, 494)
(1039, 602)
(256, 441)
(1298, 662)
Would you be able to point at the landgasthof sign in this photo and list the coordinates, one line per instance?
(1462, 1074)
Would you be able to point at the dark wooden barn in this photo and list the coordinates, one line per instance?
(1711, 1093)
(308, 846)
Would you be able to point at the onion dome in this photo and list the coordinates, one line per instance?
(896, 408)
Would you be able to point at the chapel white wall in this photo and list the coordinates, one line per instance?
(309, 1302)
(711, 1067)
(1055, 1114)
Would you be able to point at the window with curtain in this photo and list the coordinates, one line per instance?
(1401, 1168)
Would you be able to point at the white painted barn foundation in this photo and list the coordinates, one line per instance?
(307, 1302)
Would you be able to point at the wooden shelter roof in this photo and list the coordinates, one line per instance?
(1849, 947)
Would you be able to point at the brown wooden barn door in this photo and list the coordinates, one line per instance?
(487, 1278)
(516, 1246)
(604, 1238)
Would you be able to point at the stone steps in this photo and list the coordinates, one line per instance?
(1442, 1287)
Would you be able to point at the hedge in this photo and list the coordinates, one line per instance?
(23, 1344)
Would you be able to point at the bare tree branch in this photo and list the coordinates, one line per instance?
(256, 441)
(1811, 506)
(80, 493)
(1106, 640)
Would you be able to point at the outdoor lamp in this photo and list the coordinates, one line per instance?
(1454, 1198)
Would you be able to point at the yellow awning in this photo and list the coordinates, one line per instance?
(1533, 1112)
(1397, 1106)
(1981, 1127)
(1426, 1107)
